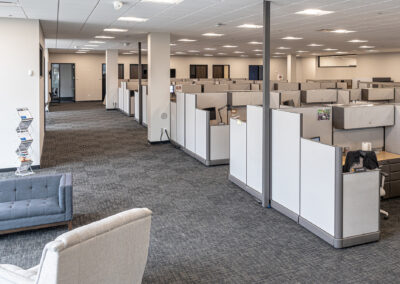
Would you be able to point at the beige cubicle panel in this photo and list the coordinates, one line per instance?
(283, 86)
(355, 94)
(328, 85)
(290, 95)
(318, 96)
(255, 87)
(239, 87)
(133, 86)
(192, 88)
(341, 85)
(310, 86)
(378, 94)
(211, 88)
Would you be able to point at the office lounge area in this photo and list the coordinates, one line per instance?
(141, 163)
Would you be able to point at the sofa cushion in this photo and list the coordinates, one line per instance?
(29, 208)
(29, 188)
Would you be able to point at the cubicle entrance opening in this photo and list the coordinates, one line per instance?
(63, 82)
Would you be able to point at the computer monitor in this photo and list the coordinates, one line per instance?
(213, 113)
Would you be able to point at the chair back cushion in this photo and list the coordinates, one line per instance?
(35, 187)
(112, 250)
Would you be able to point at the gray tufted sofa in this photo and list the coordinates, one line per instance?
(35, 202)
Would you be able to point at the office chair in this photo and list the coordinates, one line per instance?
(382, 192)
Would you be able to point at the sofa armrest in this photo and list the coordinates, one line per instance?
(65, 195)
(12, 276)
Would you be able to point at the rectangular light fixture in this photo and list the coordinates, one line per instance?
(279, 53)
(330, 49)
(164, 1)
(127, 53)
(193, 51)
(357, 41)
(81, 52)
(250, 26)
(133, 19)
(230, 46)
(255, 42)
(172, 44)
(301, 51)
(96, 41)
(114, 30)
(342, 31)
(213, 34)
(91, 45)
(238, 52)
(367, 46)
(87, 48)
(210, 48)
(292, 38)
(208, 55)
(103, 36)
(283, 48)
(221, 53)
(180, 52)
(257, 50)
(186, 40)
(315, 44)
(341, 52)
(314, 12)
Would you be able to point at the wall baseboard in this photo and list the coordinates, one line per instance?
(5, 170)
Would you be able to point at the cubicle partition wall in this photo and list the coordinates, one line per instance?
(245, 167)
(144, 105)
(126, 99)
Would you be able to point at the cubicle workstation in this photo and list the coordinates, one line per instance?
(126, 99)
(141, 116)
(334, 83)
(200, 122)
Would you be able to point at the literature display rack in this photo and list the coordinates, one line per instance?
(25, 139)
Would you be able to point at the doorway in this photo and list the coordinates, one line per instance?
(221, 71)
(103, 81)
(256, 72)
(63, 82)
(198, 71)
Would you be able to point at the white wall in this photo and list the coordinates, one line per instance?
(368, 66)
(20, 53)
(88, 69)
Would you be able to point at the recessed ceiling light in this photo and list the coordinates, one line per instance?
(283, 48)
(172, 44)
(301, 51)
(330, 49)
(315, 44)
(180, 52)
(238, 52)
(96, 41)
(114, 30)
(86, 47)
(210, 48)
(342, 31)
(127, 53)
(230, 46)
(255, 42)
(133, 19)
(103, 36)
(357, 41)
(250, 26)
(279, 53)
(186, 40)
(91, 45)
(372, 50)
(208, 55)
(193, 51)
(314, 12)
(221, 53)
(213, 34)
(367, 46)
(244, 55)
(341, 52)
(292, 38)
(164, 1)
(257, 50)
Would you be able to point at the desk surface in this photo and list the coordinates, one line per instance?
(381, 156)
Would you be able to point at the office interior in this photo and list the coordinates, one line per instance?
(183, 141)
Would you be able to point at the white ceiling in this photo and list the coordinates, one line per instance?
(69, 24)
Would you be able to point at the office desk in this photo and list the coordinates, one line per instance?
(390, 164)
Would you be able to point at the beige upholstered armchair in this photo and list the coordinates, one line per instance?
(112, 250)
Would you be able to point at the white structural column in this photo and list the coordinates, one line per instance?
(111, 78)
(158, 99)
(291, 68)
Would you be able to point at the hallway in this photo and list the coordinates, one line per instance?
(204, 228)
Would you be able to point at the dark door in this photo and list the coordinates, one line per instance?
(255, 72)
(63, 81)
(218, 71)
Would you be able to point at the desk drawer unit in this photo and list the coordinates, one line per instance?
(392, 182)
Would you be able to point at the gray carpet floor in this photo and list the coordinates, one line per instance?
(204, 228)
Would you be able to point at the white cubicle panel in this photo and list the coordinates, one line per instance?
(254, 147)
(286, 133)
(219, 142)
(144, 103)
(202, 125)
(318, 184)
(360, 203)
(173, 121)
(190, 122)
(121, 98)
(180, 119)
(274, 100)
(237, 151)
(128, 108)
(392, 133)
(137, 106)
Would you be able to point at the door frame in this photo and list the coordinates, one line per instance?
(59, 81)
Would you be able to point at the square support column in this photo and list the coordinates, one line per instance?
(291, 68)
(158, 99)
(111, 78)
